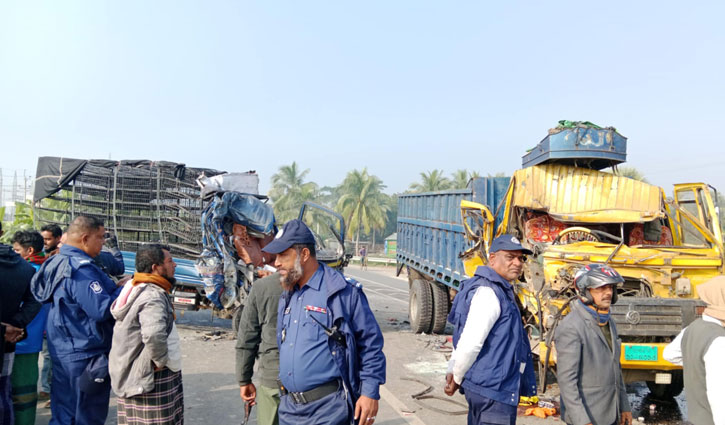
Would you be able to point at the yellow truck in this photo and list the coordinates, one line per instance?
(571, 216)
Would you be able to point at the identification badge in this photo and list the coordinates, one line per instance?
(284, 334)
(286, 310)
(315, 309)
(522, 368)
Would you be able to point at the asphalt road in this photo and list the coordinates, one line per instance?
(414, 363)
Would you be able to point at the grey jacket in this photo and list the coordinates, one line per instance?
(258, 333)
(144, 319)
(589, 373)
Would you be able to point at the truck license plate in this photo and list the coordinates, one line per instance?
(646, 353)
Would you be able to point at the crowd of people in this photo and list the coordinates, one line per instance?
(318, 345)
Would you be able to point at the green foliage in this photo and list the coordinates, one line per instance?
(289, 191)
(362, 203)
(23, 221)
(431, 181)
(632, 173)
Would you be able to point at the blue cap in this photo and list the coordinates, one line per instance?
(294, 232)
(508, 243)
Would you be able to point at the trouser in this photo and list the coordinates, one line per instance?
(332, 409)
(25, 387)
(6, 402)
(267, 405)
(71, 406)
(45, 373)
(484, 411)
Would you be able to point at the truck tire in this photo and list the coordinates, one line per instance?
(440, 307)
(668, 390)
(420, 306)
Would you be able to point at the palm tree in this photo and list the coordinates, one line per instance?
(289, 190)
(460, 178)
(362, 203)
(431, 181)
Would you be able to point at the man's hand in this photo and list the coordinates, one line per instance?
(13, 334)
(451, 386)
(365, 410)
(264, 273)
(248, 393)
(626, 418)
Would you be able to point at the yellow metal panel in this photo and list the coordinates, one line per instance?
(580, 194)
(660, 364)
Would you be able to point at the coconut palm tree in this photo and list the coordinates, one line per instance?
(362, 203)
(431, 181)
(459, 179)
(289, 191)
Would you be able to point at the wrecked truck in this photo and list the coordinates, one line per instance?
(570, 215)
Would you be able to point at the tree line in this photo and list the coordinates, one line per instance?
(369, 213)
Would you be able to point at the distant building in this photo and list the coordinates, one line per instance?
(391, 244)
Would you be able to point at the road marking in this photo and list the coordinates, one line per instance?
(380, 284)
(385, 295)
(399, 406)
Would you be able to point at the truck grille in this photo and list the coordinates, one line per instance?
(653, 316)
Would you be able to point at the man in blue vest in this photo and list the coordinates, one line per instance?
(80, 325)
(331, 361)
(491, 362)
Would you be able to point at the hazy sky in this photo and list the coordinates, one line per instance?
(398, 87)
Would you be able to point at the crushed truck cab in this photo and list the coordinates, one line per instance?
(570, 216)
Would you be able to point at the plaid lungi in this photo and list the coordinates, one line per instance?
(6, 402)
(163, 405)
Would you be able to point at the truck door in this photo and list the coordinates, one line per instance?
(697, 217)
(328, 227)
(478, 224)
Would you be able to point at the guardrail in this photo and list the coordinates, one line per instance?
(375, 260)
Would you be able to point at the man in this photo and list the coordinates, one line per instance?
(491, 360)
(18, 308)
(258, 338)
(700, 348)
(364, 258)
(145, 359)
(110, 260)
(80, 324)
(51, 234)
(330, 346)
(588, 351)
(29, 245)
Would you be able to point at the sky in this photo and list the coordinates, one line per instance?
(398, 87)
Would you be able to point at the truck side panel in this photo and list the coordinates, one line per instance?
(430, 232)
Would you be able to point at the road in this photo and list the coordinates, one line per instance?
(212, 395)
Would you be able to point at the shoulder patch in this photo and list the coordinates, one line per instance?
(353, 282)
(96, 287)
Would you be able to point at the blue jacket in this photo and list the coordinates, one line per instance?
(80, 324)
(35, 329)
(503, 370)
(362, 363)
(111, 262)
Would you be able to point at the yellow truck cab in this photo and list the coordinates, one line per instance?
(569, 217)
(569, 213)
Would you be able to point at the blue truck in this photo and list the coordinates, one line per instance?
(432, 242)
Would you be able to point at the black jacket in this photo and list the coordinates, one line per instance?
(18, 307)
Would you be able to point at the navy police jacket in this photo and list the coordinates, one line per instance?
(503, 370)
(80, 324)
(362, 362)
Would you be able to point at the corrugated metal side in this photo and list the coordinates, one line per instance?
(573, 193)
(430, 231)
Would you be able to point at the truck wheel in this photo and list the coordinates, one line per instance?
(668, 390)
(420, 306)
(236, 318)
(440, 307)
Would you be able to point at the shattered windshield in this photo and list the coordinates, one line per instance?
(326, 229)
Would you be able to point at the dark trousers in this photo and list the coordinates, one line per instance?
(333, 409)
(484, 411)
(71, 406)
